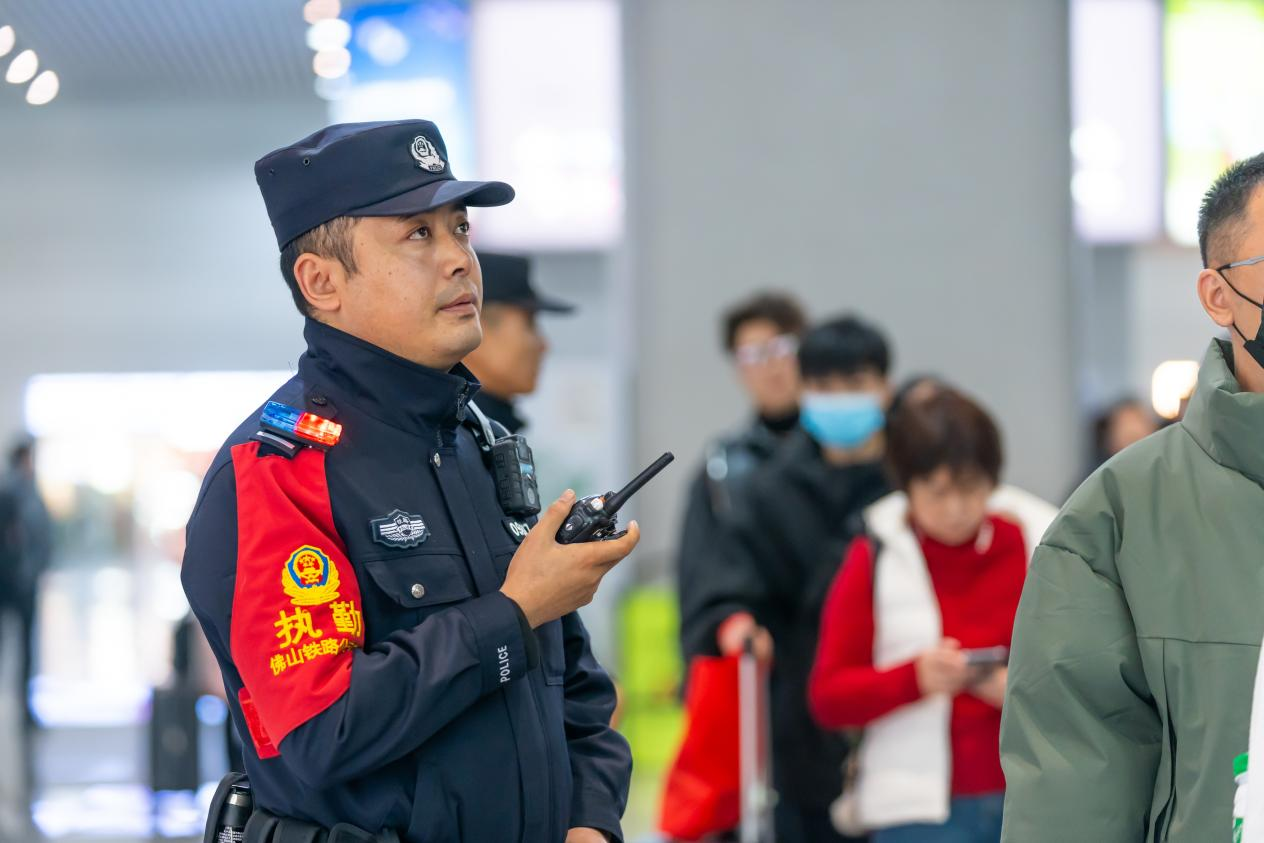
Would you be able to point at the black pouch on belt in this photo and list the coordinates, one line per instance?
(269, 828)
(263, 827)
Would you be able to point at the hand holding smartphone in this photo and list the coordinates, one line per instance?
(987, 657)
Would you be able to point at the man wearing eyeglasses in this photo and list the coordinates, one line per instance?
(761, 336)
(770, 562)
(1139, 630)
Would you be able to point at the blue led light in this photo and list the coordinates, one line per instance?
(280, 417)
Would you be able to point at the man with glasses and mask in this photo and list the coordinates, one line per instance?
(774, 556)
(761, 335)
(1138, 634)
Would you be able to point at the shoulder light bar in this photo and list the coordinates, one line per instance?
(307, 428)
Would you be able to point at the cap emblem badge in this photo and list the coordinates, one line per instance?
(427, 156)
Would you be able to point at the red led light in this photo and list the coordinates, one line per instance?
(313, 427)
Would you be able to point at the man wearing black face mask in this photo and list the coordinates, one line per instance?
(1138, 635)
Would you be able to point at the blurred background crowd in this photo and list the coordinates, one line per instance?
(972, 223)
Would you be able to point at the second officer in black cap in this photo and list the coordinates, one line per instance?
(403, 655)
(507, 362)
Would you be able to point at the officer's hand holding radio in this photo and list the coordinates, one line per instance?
(561, 561)
(547, 579)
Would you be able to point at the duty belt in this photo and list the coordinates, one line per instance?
(265, 827)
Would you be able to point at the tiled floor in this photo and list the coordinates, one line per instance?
(79, 784)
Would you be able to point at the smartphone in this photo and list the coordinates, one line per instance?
(987, 657)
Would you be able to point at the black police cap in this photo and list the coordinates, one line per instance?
(507, 279)
(385, 169)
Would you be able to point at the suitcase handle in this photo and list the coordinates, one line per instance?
(754, 748)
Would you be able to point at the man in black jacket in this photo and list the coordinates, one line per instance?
(761, 335)
(776, 554)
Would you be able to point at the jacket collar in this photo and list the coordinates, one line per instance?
(393, 390)
(501, 410)
(1225, 421)
(838, 483)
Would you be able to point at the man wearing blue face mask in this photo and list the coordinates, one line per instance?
(781, 548)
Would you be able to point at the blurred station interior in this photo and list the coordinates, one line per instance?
(1008, 188)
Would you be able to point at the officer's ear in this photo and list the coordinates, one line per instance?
(1216, 297)
(321, 280)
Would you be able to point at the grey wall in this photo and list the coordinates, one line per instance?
(133, 238)
(1104, 329)
(1140, 308)
(1168, 322)
(905, 160)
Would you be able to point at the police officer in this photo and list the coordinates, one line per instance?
(401, 660)
(507, 363)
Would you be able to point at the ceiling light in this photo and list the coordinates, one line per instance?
(7, 39)
(384, 43)
(43, 89)
(1097, 143)
(328, 34)
(318, 10)
(330, 64)
(22, 68)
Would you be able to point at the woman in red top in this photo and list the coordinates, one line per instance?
(916, 627)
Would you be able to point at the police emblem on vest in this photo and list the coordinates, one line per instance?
(427, 156)
(399, 529)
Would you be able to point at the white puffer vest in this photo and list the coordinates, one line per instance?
(905, 759)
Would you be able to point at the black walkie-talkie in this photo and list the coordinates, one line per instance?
(595, 517)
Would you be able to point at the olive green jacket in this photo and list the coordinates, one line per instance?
(1138, 634)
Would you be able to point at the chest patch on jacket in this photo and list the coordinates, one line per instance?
(399, 529)
(516, 529)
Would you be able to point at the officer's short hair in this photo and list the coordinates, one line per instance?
(780, 309)
(844, 346)
(939, 428)
(1222, 216)
(328, 240)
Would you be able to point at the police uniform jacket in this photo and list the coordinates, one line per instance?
(351, 597)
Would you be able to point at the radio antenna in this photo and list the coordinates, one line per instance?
(615, 501)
